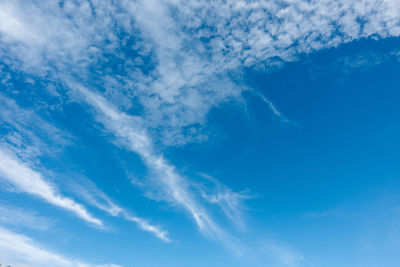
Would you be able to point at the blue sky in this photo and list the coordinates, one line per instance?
(199, 133)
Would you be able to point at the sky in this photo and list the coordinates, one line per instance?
(156, 133)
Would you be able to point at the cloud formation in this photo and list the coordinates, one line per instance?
(184, 57)
(129, 131)
(27, 180)
(11, 215)
(93, 196)
(27, 134)
(29, 137)
(282, 255)
(152, 70)
(230, 202)
(20, 250)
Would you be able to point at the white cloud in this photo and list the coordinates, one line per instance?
(15, 216)
(19, 250)
(26, 139)
(93, 196)
(133, 136)
(86, 190)
(199, 42)
(230, 202)
(283, 255)
(28, 135)
(16, 172)
(187, 51)
(146, 226)
(275, 111)
(190, 55)
(335, 213)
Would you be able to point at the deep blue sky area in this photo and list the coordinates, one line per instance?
(199, 133)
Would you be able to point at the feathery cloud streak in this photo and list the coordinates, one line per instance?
(22, 251)
(24, 138)
(15, 216)
(98, 199)
(130, 132)
(129, 129)
(27, 180)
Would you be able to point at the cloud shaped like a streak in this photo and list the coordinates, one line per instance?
(11, 215)
(93, 196)
(129, 131)
(16, 172)
(26, 140)
(20, 250)
(230, 202)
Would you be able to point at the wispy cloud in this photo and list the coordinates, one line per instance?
(275, 110)
(201, 43)
(27, 134)
(187, 51)
(24, 178)
(129, 131)
(146, 226)
(20, 250)
(11, 215)
(93, 196)
(283, 255)
(335, 213)
(188, 59)
(230, 202)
